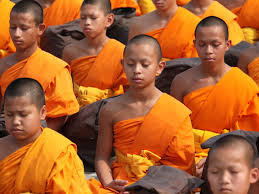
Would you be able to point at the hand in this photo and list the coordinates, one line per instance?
(199, 167)
(118, 185)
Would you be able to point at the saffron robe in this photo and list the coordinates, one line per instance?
(176, 39)
(231, 104)
(101, 76)
(48, 165)
(54, 76)
(146, 6)
(253, 70)
(235, 32)
(126, 3)
(163, 136)
(6, 44)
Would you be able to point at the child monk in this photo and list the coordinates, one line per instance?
(95, 60)
(221, 98)
(205, 8)
(26, 26)
(145, 126)
(231, 166)
(33, 159)
(171, 25)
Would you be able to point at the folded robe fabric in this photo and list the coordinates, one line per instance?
(54, 76)
(176, 39)
(6, 44)
(171, 145)
(231, 104)
(126, 3)
(99, 77)
(48, 165)
(253, 70)
(235, 32)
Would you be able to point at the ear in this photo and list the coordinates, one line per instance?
(109, 20)
(43, 112)
(161, 66)
(42, 28)
(254, 175)
(228, 44)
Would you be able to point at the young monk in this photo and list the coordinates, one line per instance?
(205, 8)
(95, 60)
(171, 25)
(26, 26)
(221, 98)
(6, 44)
(33, 159)
(145, 126)
(231, 166)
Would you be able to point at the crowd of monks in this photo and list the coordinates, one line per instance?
(143, 126)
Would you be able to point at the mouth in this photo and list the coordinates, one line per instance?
(225, 190)
(14, 131)
(137, 80)
(87, 29)
(209, 59)
(18, 42)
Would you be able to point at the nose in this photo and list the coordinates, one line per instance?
(209, 49)
(16, 120)
(137, 69)
(225, 178)
(17, 32)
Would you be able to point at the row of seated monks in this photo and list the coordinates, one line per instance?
(143, 126)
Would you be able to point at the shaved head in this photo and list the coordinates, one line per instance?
(105, 5)
(145, 39)
(213, 21)
(30, 6)
(26, 87)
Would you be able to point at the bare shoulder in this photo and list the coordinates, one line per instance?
(5, 63)
(5, 147)
(247, 56)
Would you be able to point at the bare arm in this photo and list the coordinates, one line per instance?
(66, 54)
(247, 57)
(133, 29)
(177, 88)
(56, 123)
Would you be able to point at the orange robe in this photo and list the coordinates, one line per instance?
(99, 77)
(176, 39)
(54, 76)
(48, 165)
(231, 104)
(182, 2)
(235, 32)
(62, 11)
(253, 70)
(126, 3)
(162, 137)
(6, 44)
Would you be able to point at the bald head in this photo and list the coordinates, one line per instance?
(26, 87)
(29, 6)
(213, 21)
(145, 39)
(105, 5)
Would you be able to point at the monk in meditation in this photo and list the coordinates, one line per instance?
(33, 159)
(6, 44)
(231, 166)
(26, 26)
(144, 126)
(205, 8)
(221, 98)
(171, 25)
(95, 60)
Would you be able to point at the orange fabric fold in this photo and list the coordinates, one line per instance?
(6, 44)
(62, 11)
(176, 39)
(54, 76)
(253, 70)
(173, 140)
(235, 32)
(126, 3)
(182, 2)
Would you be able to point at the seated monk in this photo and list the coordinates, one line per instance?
(96, 60)
(26, 26)
(144, 126)
(205, 8)
(6, 44)
(221, 98)
(171, 25)
(249, 62)
(126, 3)
(33, 159)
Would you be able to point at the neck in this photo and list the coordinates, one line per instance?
(23, 54)
(215, 70)
(97, 42)
(169, 12)
(201, 3)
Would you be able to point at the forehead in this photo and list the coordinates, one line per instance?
(96, 8)
(142, 48)
(24, 100)
(22, 17)
(210, 32)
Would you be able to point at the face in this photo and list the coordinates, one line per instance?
(211, 45)
(163, 4)
(24, 31)
(141, 65)
(23, 118)
(93, 21)
(229, 173)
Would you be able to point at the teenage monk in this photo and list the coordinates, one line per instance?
(33, 159)
(126, 3)
(26, 26)
(144, 126)
(95, 60)
(6, 44)
(171, 25)
(221, 98)
(205, 8)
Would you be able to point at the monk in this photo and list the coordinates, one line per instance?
(231, 166)
(171, 25)
(96, 60)
(221, 98)
(6, 44)
(33, 159)
(126, 3)
(26, 26)
(205, 8)
(144, 126)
